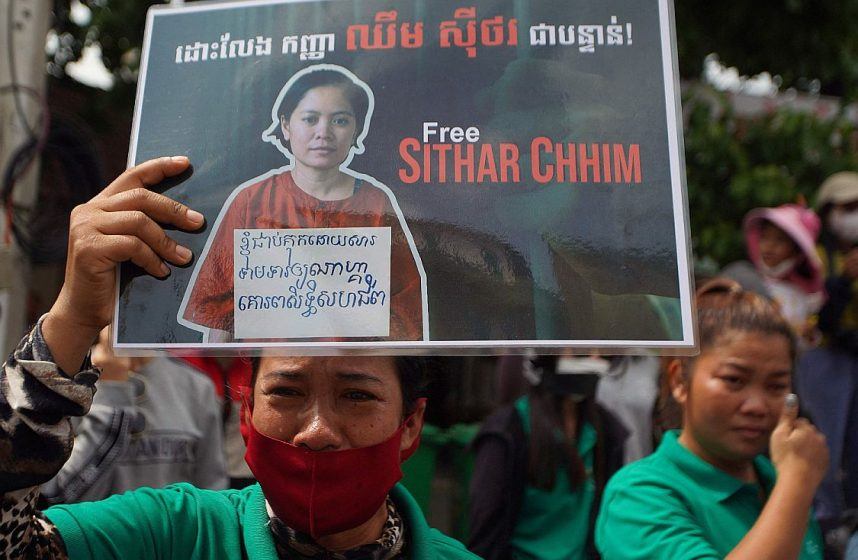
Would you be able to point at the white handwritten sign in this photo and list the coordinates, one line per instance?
(312, 282)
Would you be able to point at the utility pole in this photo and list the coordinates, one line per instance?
(24, 27)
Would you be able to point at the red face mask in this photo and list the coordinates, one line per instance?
(324, 492)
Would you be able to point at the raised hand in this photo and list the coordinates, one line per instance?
(122, 223)
(798, 449)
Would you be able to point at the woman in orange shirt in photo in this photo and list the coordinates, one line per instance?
(319, 122)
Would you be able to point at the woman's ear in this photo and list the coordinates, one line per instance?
(679, 379)
(284, 127)
(413, 426)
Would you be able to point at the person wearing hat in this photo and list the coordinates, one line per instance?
(541, 464)
(827, 377)
(781, 246)
(837, 204)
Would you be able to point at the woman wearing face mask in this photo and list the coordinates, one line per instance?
(827, 377)
(708, 492)
(319, 122)
(541, 464)
(325, 435)
(781, 245)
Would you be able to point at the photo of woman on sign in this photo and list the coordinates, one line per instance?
(319, 122)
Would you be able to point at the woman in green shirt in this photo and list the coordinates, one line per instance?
(708, 492)
(325, 436)
(541, 464)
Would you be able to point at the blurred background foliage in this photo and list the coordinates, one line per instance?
(117, 26)
(733, 163)
(810, 44)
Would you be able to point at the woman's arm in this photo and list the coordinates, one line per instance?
(644, 517)
(800, 456)
(36, 401)
(27, 534)
(37, 394)
(120, 224)
(100, 439)
(780, 530)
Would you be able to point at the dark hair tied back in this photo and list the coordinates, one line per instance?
(723, 306)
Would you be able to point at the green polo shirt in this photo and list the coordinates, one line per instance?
(674, 505)
(186, 523)
(554, 524)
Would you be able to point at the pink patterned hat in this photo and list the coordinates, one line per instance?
(802, 225)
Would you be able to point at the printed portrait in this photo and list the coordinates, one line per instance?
(319, 121)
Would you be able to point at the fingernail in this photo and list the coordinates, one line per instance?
(791, 400)
(179, 159)
(165, 270)
(195, 216)
(183, 252)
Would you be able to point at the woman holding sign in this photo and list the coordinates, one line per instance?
(319, 122)
(708, 492)
(326, 436)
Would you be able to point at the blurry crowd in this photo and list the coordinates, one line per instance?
(584, 456)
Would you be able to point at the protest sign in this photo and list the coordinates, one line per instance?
(517, 162)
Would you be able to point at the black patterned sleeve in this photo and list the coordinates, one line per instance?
(26, 533)
(36, 401)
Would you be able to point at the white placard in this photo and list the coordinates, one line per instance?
(312, 283)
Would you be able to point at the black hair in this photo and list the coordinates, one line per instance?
(546, 451)
(355, 94)
(413, 374)
(723, 306)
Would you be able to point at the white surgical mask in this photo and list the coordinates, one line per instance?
(779, 270)
(844, 225)
(575, 365)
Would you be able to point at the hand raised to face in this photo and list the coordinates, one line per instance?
(797, 448)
